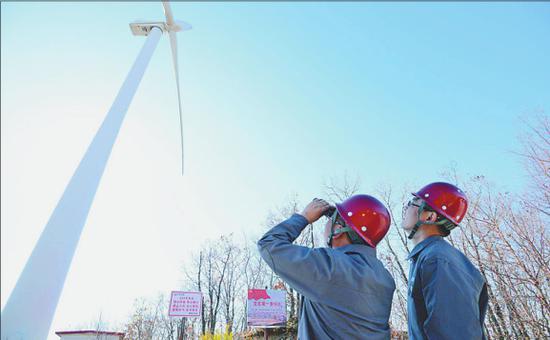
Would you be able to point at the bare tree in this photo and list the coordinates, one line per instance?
(207, 274)
(338, 189)
(535, 154)
(232, 282)
(144, 323)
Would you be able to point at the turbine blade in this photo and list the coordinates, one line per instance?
(174, 47)
(168, 13)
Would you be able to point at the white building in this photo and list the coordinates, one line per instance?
(89, 335)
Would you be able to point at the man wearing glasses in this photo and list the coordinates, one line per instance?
(347, 291)
(447, 295)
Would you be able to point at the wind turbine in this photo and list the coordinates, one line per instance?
(30, 308)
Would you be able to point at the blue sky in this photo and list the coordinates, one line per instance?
(278, 97)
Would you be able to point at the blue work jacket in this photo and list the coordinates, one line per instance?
(347, 291)
(447, 295)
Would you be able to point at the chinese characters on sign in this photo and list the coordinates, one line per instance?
(266, 308)
(185, 304)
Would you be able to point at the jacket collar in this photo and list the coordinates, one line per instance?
(422, 245)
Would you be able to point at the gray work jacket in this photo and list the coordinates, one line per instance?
(447, 295)
(347, 291)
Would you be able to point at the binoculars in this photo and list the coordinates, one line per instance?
(329, 212)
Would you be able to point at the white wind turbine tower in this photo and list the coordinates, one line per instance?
(30, 308)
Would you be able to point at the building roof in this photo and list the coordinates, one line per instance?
(89, 332)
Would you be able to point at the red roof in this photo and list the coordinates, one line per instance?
(89, 332)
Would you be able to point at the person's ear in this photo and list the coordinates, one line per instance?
(429, 216)
(432, 217)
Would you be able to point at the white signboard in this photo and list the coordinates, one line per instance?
(266, 308)
(185, 304)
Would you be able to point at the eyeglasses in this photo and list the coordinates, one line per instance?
(412, 202)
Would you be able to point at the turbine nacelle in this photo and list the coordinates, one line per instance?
(144, 27)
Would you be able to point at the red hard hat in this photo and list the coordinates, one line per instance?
(446, 199)
(367, 216)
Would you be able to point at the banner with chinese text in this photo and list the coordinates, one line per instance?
(266, 308)
(185, 304)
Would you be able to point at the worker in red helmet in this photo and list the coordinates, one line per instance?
(447, 295)
(347, 291)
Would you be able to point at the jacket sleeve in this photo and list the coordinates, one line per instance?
(308, 270)
(452, 310)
